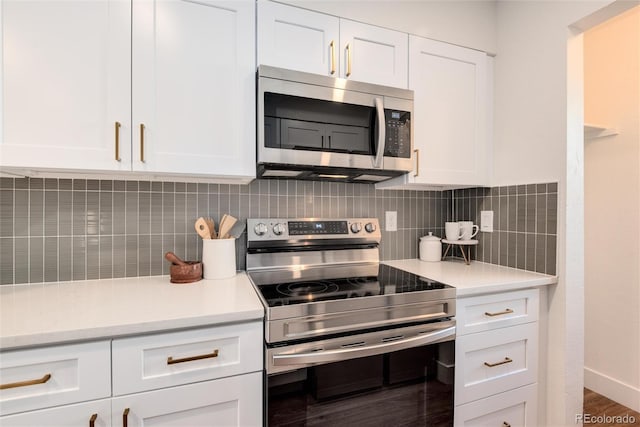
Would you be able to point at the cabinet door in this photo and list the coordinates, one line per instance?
(232, 401)
(194, 87)
(297, 39)
(373, 54)
(450, 113)
(515, 408)
(65, 83)
(495, 361)
(42, 377)
(82, 414)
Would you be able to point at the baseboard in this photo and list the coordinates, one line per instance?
(612, 388)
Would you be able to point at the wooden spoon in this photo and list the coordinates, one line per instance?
(212, 227)
(175, 259)
(225, 227)
(202, 228)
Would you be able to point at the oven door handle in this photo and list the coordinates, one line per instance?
(364, 351)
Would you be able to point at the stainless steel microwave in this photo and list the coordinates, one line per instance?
(314, 127)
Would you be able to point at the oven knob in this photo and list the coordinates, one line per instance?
(278, 229)
(356, 227)
(370, 227)
(260, 229)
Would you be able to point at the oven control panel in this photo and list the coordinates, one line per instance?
(291, 229)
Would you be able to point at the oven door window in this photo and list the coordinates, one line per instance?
(404, 388)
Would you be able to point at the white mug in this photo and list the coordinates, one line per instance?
(452, 230)
(466, 230)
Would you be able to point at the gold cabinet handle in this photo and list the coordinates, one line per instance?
(142, 142)
(332, 45)
(125, 417)
(348, 59)
(172, 361)
(26, 383)
(500, 313)
(118, 141)
(92, 420)
(491, 365)
(417, 151)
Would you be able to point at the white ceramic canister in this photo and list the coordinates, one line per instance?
(219, 258)
(430, 248)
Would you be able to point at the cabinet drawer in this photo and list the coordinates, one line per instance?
(45, 377)
(515, 408)
(495, 361)
(486, 312)
(229, 402)
(166, 360)
(79, 414)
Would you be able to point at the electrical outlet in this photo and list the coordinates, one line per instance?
(486, 221)
(391, 221)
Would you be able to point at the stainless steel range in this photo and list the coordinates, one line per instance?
(348, 340)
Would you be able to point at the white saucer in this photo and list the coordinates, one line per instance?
(460, 242)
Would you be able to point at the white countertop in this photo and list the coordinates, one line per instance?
(476, 278)
(36, 314)
(39, 314)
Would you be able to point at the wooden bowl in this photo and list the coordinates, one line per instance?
(192, 272)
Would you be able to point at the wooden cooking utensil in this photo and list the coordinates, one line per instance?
(212, 227)
(202, 228)
(175, 259)
(225, 227)
(221, 224)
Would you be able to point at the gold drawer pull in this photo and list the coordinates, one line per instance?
(26, 383)
(491, 365)
(92, 420)
(500, 313)
(171, 360)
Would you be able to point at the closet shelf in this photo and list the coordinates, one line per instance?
(592, 131)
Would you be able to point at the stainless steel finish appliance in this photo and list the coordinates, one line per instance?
(316, 127)
(347, 336)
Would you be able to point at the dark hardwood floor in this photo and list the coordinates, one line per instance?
(606, 412)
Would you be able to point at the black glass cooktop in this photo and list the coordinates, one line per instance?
(389, 280)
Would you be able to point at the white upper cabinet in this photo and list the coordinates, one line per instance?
(162, 87)
(373, 54)
(451, 117)
(194, 87)
(298, 39)
(303, 40)
(65, 83)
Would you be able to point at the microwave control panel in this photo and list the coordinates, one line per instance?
(398, 134)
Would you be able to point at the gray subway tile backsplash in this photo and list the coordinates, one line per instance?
(525, 223)
(61, 229)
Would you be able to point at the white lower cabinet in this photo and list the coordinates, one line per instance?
(497, 360)
(516, 408)
(233, 401)
(199, 377)
(93, 414)
(51, 376)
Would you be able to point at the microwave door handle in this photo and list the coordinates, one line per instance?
(364, 351)
(377, 163)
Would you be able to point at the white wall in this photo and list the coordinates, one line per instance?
(465, 23)
(612, 210)
(538, 111)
